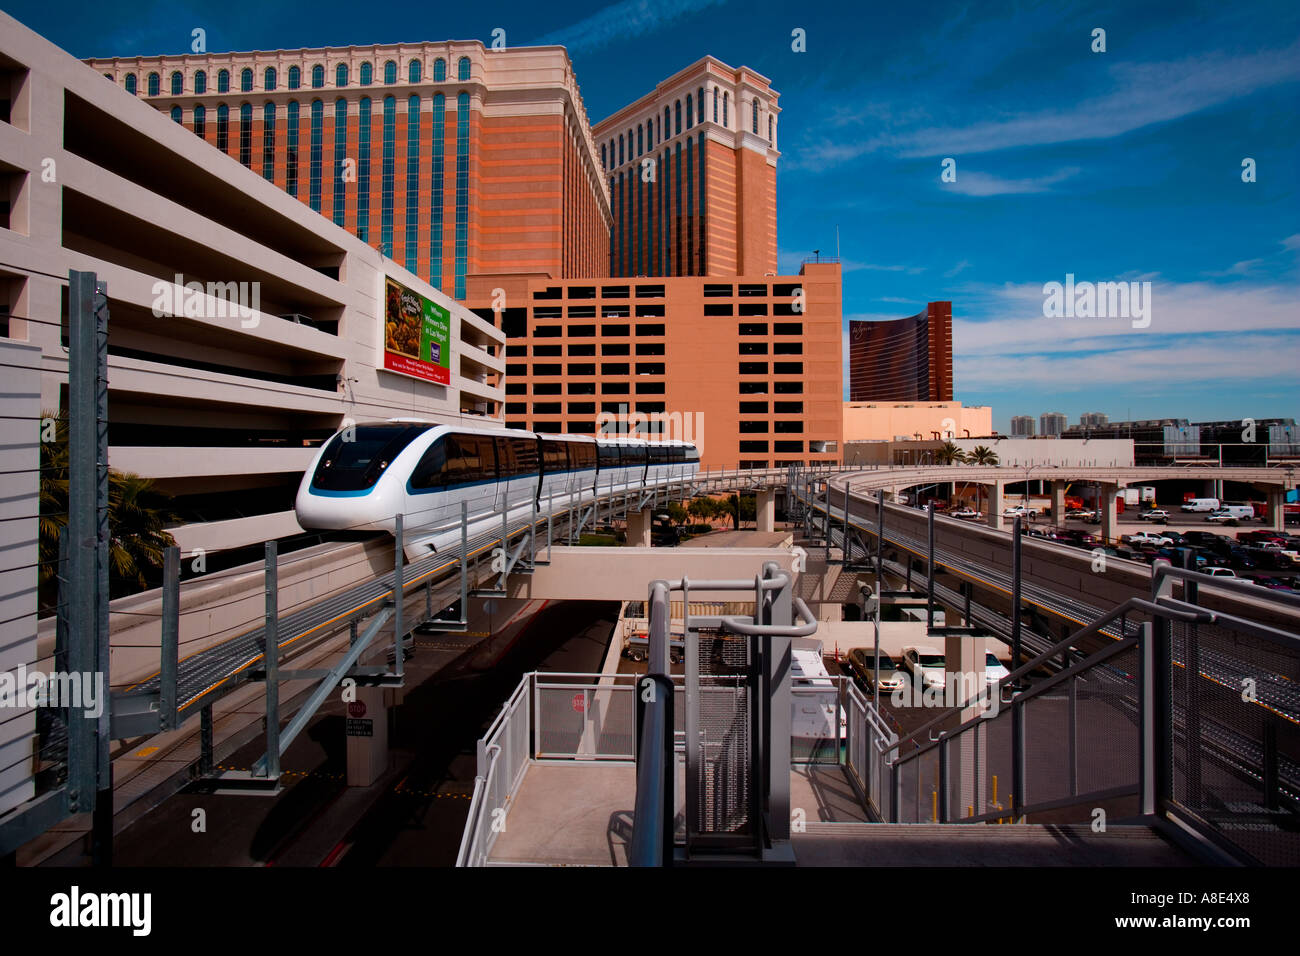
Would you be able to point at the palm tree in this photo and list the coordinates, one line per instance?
(949, 454)
(981, 455)
(137, 528)
(137, 518)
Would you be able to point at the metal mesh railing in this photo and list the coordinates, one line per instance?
(581, 717)
(503, 756)
(867, 752)
(1236, 742)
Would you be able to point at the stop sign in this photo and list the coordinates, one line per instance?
(357, 708)
(580, 702)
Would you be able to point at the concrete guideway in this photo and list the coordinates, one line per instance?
(981, 554)
(1273, 480)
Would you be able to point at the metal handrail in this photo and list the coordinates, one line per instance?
(656, 747)
(1197, 616)
(470, 838)
(738, 625)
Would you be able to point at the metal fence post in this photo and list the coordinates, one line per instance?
(1017, 759)
(205, 741)
(271, 631)
(399, 593)
(169, 644)
(1015, 593)
(464, 561)
(848, 545)
(929, 566)
(945, 811)
(1147, 746)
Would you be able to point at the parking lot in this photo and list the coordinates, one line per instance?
(1241, 547)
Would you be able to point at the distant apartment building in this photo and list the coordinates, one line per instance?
(1022, 426)
(903, 360)
(453, 160)
(1093, 419)
(222, 407)
(691, 170)
(737, 365)
(1052, 424)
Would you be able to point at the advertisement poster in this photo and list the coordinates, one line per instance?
(417, 335)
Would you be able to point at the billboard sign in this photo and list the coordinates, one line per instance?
(417, 335)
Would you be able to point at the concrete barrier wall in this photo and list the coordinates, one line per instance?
(1071, 573)
(624, 574)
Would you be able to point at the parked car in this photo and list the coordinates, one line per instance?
(1201, 504)
(1158, 515)
(1271, 559)
(1203, 537)
(1174, 556)
(964, 513)
(994, 669)
(926, 665)
(1231, 514)
(1276, 584)
(862, 663)
(1215, 572)
(1151, 537)
(1262, 538)
(1080, 514)
(1017, 511)
(1241, 559)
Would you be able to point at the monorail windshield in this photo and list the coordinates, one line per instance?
(356, 457)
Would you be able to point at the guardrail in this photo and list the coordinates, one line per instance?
(1196, 719)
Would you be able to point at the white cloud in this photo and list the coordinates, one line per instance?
(986, 184)
(1144, 94)
(622, 21)
(1157, 366)
(959, 267)
(1176, 309)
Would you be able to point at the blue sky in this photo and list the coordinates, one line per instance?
(1115, 166)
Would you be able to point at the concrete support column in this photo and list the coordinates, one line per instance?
(638, 528)
(1109, 516)
(765, 509)
(1276, 518)
(995, 505)
(1058, 502)
(367, 736)
(964, 660)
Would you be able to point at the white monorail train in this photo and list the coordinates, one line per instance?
(365, 476)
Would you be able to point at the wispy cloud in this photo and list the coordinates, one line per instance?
(853, 265)
(1143, 94)
(1200, 332)
(957, 269)
(622, 21)
(985, 184)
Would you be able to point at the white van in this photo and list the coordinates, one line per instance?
(1231, 514)
(1201, 504)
